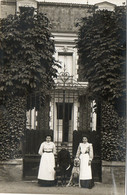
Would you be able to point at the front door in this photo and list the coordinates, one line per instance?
(64, 121)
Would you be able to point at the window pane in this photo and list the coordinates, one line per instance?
(66, 60)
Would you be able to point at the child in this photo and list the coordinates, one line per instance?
(63, 162)
(74, 179)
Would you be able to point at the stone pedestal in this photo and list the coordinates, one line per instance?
(113, 172)
(11, 170)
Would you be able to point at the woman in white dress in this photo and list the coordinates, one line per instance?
(46, 173)
(85, 154)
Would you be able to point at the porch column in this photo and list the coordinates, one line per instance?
(52, 116)
(75, 112)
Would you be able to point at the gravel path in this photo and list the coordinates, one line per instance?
(31, 187)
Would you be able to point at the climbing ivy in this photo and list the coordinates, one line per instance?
(27, 65)
(102, 62)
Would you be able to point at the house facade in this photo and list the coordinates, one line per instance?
(105, 5)
(66, 97)
(67, 109)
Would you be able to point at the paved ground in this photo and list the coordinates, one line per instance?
(31, 187)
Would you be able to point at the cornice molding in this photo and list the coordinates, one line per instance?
(65, 4)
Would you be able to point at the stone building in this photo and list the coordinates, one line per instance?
(67, 109)
(105, 6)
(69, 88)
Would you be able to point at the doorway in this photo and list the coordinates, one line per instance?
(64, 121)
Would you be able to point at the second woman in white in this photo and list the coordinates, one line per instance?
(85, 154)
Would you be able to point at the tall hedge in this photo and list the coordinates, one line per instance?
(102, 62)
(113, 134)
(102, 54)
(27, 65)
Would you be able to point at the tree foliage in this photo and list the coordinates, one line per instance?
(102, 58)
(27, 66)
(26, 53)
(101, 47)
(12, 127)
(113, 134)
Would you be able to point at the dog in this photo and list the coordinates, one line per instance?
(74, 179)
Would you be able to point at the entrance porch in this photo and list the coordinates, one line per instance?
(66, 115)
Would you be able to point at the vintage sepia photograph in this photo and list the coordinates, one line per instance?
(63, 97)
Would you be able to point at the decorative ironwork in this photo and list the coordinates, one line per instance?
(66, 81)
(64, 77)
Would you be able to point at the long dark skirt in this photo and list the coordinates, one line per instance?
(46, 183)
(86, 183)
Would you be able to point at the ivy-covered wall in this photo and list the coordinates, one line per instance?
(43, 115)
(84, 114)
(113, 134)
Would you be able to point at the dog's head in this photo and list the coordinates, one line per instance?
(76, 162)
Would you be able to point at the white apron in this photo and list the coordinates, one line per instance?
(47, 162)
(85, 169)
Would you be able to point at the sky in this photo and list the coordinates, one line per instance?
(91, 2)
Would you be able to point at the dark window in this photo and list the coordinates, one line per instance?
(29, 10)
(64, 108)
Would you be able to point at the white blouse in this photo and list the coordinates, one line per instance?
(47, 147)
(86, 148)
